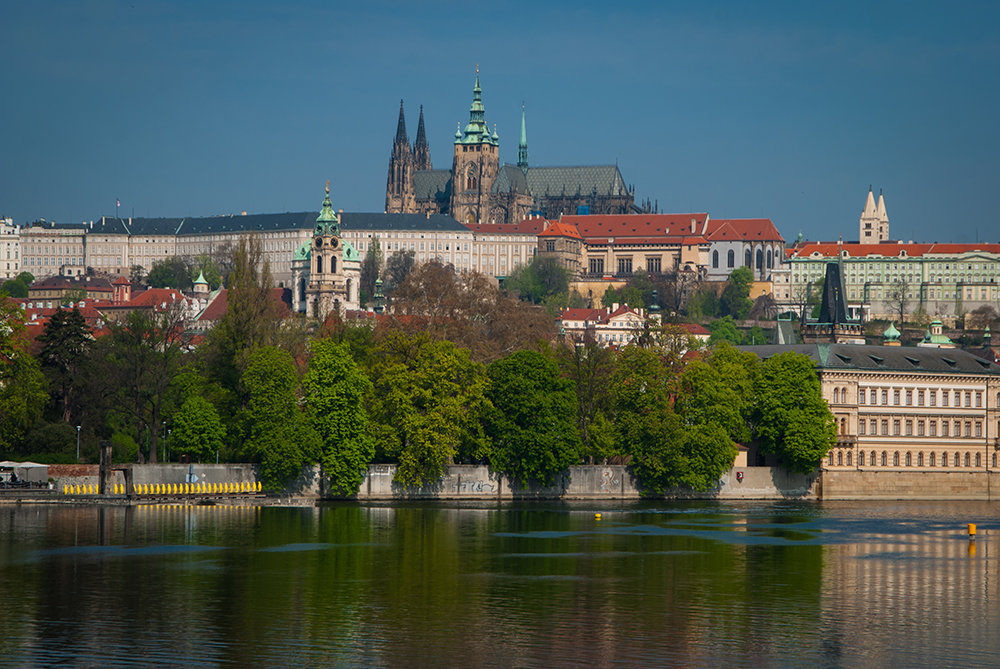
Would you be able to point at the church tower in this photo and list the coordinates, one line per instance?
(522, 146)
(475, 165)
(328, 288)
(874, 222)
(400, 196)
(421, 150)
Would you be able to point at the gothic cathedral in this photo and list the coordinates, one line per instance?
(479, 189)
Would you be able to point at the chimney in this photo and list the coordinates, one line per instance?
(693, 221)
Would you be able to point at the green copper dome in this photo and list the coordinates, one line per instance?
(302, 253)
(327, 223)
(891, 333)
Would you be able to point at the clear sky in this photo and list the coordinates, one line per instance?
(786, 110)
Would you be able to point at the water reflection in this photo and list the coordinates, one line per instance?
(705, 584)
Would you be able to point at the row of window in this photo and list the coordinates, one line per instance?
(731, 259)
(925, 428)
(844, 458)
(909, 397)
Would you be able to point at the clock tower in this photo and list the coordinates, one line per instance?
(328, 289)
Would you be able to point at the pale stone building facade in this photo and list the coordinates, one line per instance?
(10, 249)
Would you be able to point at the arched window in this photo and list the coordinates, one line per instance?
(843, 426)
(732, 258)
(931, 463)
(967, 462)
(746, 259)
(994, 459)
(760, 259)
(840, 459)
(715, 259)
(895, 458)
(333, 264)
(944, 459)
(843, 395)
(769, 258)
(920, 459)
(319, 264)
(909, 459)
(848, 458)
(872, 459)
(836, 395)
(830, 458)
(979, 459)
(957, 461)
(885, 459)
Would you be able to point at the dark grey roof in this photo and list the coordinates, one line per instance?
(434, 222)
(431, 184)
(196, 225)
(556, 181)
(511, 178)
(885, 358)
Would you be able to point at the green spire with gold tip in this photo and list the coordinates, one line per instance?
(327, 216)
(522, 146)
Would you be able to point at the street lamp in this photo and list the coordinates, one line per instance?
(78, 442)
(166, 443)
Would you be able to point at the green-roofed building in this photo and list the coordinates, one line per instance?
(479, 189)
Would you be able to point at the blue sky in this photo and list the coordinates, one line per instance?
(786, 110)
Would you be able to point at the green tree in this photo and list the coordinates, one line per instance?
(703, 304)
(198, 431)
(27, 278)
(792, 418)
(738, 371)
(735, 300)
(171, 272)
(252, 319)
(65, 343)
(371, 266)
(428, 404)
(22, 397)
(277, 434)
(538, 279)
(724, 329)
(533, 423)
(14, 288)
(590, 367)
(337, 392)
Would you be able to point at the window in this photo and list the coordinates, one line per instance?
(895, 458)
(861, 397)
(746, 259)
(836, 395)
(968, 429)
(596, 265)
(624, 265)
(944, 459)
(957, 461)
(895, 427)
(932, 394)
(885, 459)
(885, 427)
(909, 428)
(848, 458)
(944, 428)
(885, 396)
(933, 428)
(872, 460)
(944, 398)
(979, 429)
(840, 459)
(967, 463)
(979, 460)
(874, 398)
(653, 265)
(909, 398)
(909, 459)
(895, 397)
(550, 246)
(979, 398)
(968, 398)
(931, 459)
(874, 427)
(920, 398)
(715, 259)
(920, 459)
(861, 426)
(731, 260)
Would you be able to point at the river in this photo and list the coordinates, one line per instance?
(702, 584)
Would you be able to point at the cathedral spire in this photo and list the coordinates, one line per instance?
(421, 151)
(522, 146)
(476, 132)
(401, 126)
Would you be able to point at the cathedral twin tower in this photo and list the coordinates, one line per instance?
(477, 189)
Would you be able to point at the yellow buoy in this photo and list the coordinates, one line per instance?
(972, 529)
(597, 516)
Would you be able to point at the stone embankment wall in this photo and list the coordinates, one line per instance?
(916, 485)
(473, 482)
(583, 482)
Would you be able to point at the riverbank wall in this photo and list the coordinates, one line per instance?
(471, 482)
(910, 485)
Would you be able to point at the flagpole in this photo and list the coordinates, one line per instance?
(118, 203)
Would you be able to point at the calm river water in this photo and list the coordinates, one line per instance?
(754, 584)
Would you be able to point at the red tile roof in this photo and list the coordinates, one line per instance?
(887, 250)
(744, 229)
(637, 225)
(560, 229)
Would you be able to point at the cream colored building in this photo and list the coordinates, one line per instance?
(907, 409)
(10, 249)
